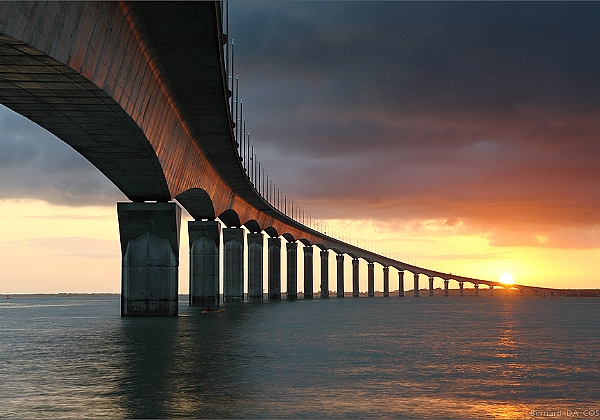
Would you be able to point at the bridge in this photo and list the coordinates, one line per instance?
(141, 90)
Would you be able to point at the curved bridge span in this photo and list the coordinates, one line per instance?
(140, 89)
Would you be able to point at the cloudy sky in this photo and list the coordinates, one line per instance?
(460, 135)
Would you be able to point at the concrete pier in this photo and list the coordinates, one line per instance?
(386, 281)
(255, 266)
(274, 269)
(292, 270)
(204, 241)
(400, 283)
(149, 236)
(491, 290)
(446, 284)
(324, 274)
(461, 286)
(340, 275)
(308, 272)
(371, 279)
(416, 285)
(233, 262)
(355, 278)
(430, 286)
(476, 289)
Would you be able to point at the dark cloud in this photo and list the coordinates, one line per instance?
(35, 164)
(479, 113)
(485, 112)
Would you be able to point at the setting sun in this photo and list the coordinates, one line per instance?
(506, 278)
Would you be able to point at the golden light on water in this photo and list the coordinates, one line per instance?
(506, 278)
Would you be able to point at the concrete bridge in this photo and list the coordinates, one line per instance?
(140, 89)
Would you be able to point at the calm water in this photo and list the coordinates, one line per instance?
(440, 357)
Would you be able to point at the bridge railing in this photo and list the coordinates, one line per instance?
(261, 181)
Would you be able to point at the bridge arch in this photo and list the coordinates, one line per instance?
(271, 231)
(253, 226)
(198, 204)
(289, 237)
(305, 242)
(230, 218)
(81, 114)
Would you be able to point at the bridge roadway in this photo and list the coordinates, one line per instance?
(140, 89)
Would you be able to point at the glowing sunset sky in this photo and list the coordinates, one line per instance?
(465, 136)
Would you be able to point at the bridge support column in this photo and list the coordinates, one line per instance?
(400, 283)
(416, 285)
(204, 262)
(324, 274)
(255, 266)
(355, 278)
(446, 284)
(461, 286)
(476, 289)
(308, 272)
(371, 279)
(520, 292)
(386, 281)
(340, 275)
(491, 290)
(274, 273)
(233, 256)
(149, 235)
(292, 270)
(430, 286)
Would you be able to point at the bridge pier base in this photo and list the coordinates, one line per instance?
(430, 286)
(292, 270)
(233, 255)
(274, 271)
(149, 236)
(416, 285)
(255, 266)
(371, 279)
(476, 289)
(324, 274)
(308, 272)
(400, 283)
(386, 281)
(340, 275)
(461, 286)
(204, 262)
(446, 291)
(355, 278)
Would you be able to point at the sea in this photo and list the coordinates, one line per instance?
(454, 357)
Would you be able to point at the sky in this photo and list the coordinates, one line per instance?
(460, 136)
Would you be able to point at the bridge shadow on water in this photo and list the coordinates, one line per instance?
(193, 365)
(456, 357)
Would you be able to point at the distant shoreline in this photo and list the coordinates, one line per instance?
(408, 293)
(16, 295)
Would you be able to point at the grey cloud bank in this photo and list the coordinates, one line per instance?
(479, 111)
(484, 112)
(35, 164)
